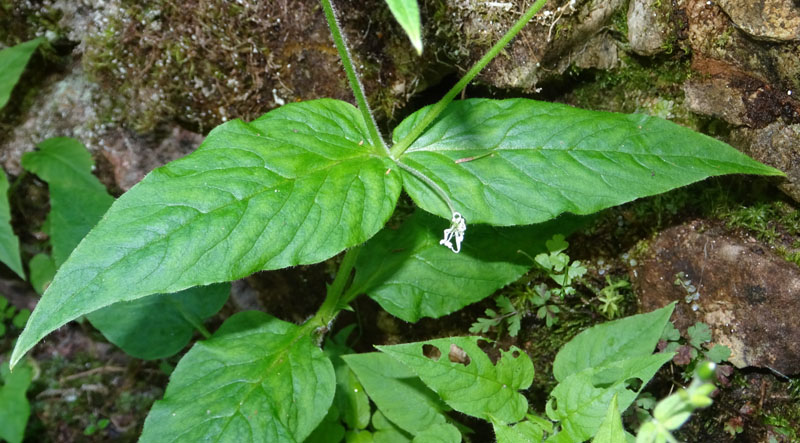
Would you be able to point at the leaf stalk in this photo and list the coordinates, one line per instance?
(400, 147)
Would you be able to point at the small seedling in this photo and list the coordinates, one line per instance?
(692, 351)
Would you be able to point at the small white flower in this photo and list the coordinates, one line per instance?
(456, 230)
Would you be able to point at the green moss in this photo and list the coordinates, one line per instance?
(649, 86)
(620, 21)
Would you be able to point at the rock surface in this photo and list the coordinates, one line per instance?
(773, 20)
(648, 30)
(749, 296)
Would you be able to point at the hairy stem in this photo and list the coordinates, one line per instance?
(431, 184)
(334, 301)
(352, 78)
(401, 146)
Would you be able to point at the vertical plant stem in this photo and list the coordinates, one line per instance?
(333, 299)
(352, 78)
(401, 146)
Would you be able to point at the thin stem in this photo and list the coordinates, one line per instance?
(333, 299)
(401, 146)
(431, 184)
(352, 78)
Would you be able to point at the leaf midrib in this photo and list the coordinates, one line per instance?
(366, 156)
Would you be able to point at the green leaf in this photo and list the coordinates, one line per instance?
(12, 65)
(9, 243)
(522, 432)
(670, 333)
(634, 336)
(257, 379)
(386, 431)
(42, 268)
(330, 430)
(581, 400)
(14, 402)
(719, 353)
(296, 186)
(556, 244)
(441, 433)
(611, 430)
(161, 325)
(351, 398)
(359, 437)
(397, 392)
(77, 198)
(406, 12)
(467, 380)
(519, 161)
(21, 317)
(698, 334)
(412, 276)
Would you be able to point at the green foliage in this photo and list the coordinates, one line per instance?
(12, 64)
(161, 325)
(257, 378)
(540, 163)
(96, 425)
(265, 195)
(540, 299)
(611, 431)
(508, 314)
(695, 349)
(412, 276)
(599, 363)
(9, 312)
(9, 243)
(406, 12)
(557, 266)
(42, 269)
(14, 402)
(155, 327)
(386, 381)
(77, 198)
(610, 297)
(466, 379)
(310, 180)
(672, 412)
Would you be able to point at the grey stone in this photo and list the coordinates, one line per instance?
(648, 28)
(749, 296)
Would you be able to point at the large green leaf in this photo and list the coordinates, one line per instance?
(580, 402)
(9, 243)
(406, 12)
(161, 325)
(296, 186)
(12, 64)
(467, 380)
(634, 336)
(519, 161)
(14, 406)
(397, 392)
(412, 276)
(258, 379)
(77, 198)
